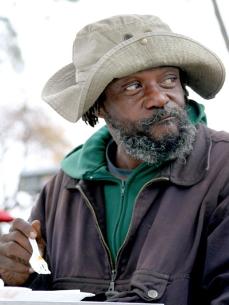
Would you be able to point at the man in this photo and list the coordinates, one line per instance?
(139, 213)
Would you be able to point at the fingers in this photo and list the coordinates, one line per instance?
(20, 231)
(15, 251)
(13, 278)
(15, 244)
(18, 266)
(18, 236)
(24, 227)
(14, 260)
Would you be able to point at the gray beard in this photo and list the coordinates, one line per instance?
(139, 142)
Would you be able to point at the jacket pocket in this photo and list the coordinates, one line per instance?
(149, 286)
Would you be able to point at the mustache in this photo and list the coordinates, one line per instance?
(170, 109)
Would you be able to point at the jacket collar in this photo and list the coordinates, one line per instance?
(190, 172)
(197, 164)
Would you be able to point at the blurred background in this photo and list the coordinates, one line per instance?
(35, 41)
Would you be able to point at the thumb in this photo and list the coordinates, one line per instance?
(36, 224)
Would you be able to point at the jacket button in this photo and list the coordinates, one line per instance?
(153, 294)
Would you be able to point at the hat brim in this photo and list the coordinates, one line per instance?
(204, 70)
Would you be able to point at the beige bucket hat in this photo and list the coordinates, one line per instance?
(122, 45)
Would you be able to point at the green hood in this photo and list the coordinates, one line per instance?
(85, 160)
(89, 160)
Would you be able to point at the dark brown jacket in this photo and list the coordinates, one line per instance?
(177, 249)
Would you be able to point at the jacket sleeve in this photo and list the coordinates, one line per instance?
(39, 212)
(47, 201)
(216, 269)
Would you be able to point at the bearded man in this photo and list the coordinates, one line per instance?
(140, 212)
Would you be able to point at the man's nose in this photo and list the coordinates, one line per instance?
(155, 98)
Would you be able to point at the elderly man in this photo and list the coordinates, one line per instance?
(139, 213)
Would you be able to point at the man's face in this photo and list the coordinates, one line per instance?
(145, 114)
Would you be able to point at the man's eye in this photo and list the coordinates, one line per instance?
(133, 86)
(169, 81)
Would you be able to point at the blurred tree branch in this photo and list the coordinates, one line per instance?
(26, 132)
(33, 129)
(9, 49)
(221, 23)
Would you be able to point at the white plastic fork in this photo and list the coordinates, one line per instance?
(36, 261)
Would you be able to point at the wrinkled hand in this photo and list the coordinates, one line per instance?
(15, 251)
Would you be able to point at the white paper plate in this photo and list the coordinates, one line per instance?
(26, 294)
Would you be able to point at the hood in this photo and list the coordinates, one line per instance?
(86, 159)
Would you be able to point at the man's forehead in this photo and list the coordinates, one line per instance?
(154, 70)
(157, 69)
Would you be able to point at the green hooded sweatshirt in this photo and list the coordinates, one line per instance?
(89, 162)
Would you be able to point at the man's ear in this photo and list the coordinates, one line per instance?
(101, 112)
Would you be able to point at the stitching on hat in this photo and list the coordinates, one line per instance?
(117, 27)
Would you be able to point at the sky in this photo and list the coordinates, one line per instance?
(46, 30)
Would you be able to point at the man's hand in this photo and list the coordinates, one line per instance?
(15, 251)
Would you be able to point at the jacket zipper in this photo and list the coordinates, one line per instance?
(127, 234)
(111, 289)
(97, 225)
(123, 186)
